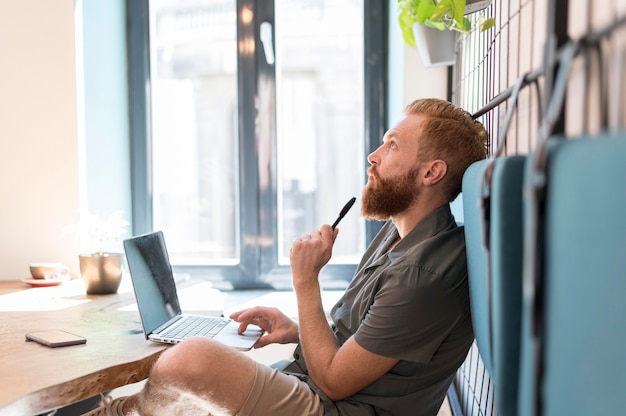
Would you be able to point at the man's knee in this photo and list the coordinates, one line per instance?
(187, 361)
(201, 374)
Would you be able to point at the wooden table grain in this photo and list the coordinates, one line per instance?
(36, 378)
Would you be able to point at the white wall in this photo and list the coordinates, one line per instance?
(39, 191)
(422, 82)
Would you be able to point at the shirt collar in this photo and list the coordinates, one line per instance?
(437, 221)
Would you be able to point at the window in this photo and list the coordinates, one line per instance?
(251, 123)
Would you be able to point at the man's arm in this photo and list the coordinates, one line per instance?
(338, 371)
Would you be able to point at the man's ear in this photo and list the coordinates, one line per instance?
(437, 170)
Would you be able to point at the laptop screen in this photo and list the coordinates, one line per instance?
(151, 274)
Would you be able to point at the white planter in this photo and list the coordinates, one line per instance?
(436, 47)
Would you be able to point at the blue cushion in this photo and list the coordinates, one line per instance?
(506, 257)
(477, 258)
(585, 277)
(495, 272)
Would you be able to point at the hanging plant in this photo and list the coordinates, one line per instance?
(436, 14)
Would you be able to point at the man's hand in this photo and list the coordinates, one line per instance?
(277, 326)
(310, 253)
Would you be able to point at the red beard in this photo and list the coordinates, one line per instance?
(383, 198)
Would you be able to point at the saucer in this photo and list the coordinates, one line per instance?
(53, 281)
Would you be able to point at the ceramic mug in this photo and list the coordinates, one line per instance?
(48, 270)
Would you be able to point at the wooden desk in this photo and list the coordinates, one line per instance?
(35, 378)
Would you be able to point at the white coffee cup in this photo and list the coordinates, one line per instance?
(48, 270)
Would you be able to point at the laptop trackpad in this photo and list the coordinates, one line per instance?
(245, 341)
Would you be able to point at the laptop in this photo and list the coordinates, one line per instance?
(157, 299)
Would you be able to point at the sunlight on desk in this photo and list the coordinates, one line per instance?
(44, 298)
(42, 378)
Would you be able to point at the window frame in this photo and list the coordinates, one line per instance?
(258, 266)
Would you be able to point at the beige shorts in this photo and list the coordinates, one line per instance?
(277, 393)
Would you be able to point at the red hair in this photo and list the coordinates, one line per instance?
(451, 134)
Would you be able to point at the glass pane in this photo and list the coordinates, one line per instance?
(319, 71)
(193, 54)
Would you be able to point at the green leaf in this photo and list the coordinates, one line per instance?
(488, 24)
(406, 21)
(443, 8)
(405, 18)
(425, 11)
(466, 25)
(409, 6)
(408, 37)
(458, 10)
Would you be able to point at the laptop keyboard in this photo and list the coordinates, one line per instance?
(195, 326)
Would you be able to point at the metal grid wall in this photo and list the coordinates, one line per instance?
(489, 64)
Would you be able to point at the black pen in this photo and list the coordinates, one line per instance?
(344, 211)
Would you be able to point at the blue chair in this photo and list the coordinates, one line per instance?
(477, 258)
(506, 259)
(575, 319)
(494, 240)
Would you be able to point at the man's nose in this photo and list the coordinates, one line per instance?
(373, 158)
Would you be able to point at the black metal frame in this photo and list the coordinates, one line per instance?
(138, 58)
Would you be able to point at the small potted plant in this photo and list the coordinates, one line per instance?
(432, 26)
(101, 266)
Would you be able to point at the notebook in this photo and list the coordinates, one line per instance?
(157, 299)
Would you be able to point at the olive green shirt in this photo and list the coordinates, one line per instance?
(410, 303)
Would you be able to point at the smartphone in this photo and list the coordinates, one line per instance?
(55, 338)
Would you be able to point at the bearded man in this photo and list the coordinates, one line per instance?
(400, 331)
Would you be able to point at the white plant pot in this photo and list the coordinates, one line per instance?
(436, 47)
